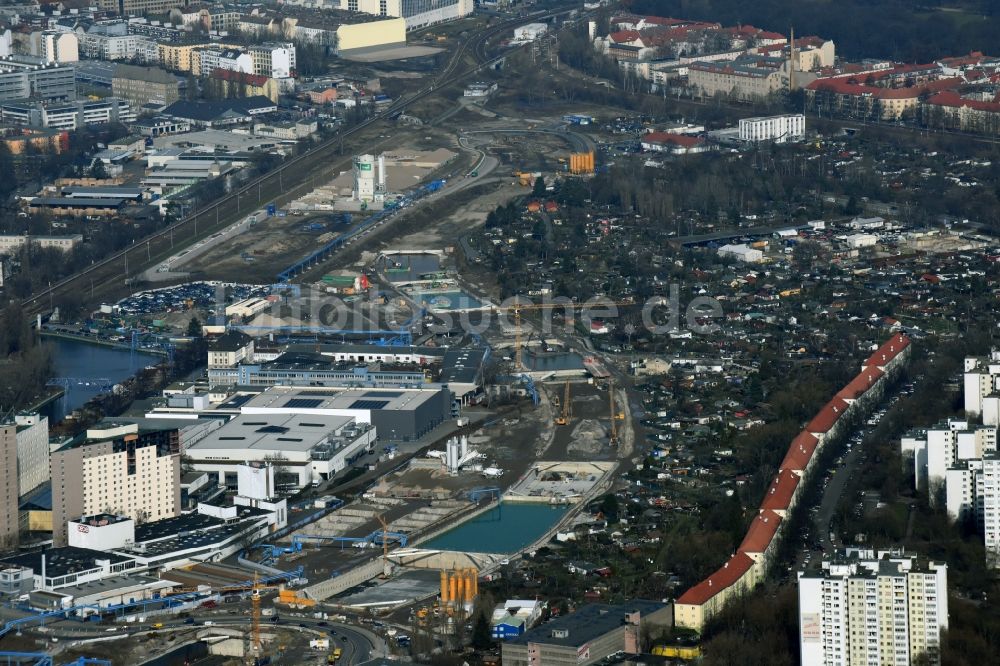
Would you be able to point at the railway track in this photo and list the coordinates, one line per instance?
(111, 276)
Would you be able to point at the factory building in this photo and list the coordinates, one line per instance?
(304, 447)
(397, 414)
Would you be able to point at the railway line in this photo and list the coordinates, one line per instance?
(111, 276)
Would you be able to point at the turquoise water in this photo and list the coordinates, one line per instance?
(504, 529)
(451, 300)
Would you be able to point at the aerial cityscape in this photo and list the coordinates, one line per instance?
(499, 332)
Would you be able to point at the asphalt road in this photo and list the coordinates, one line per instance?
(358, 644)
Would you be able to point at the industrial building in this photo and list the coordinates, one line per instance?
(741, 252)
(587, 636)
(306, 369)
(304, 447)
(873, 607)
(133, 470)
(68, 115)
(27, 77)
(397, 414)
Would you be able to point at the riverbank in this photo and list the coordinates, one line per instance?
(59, 335)
(55, 393)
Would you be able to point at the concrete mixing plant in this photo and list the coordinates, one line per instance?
(369, 178)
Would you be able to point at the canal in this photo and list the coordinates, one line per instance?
(85, 370)
(506, 528)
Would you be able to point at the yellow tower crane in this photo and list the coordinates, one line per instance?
(563, 418)
(518, 310)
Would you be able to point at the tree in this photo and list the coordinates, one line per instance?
(97, 170)
(194, 328)
(539, 189)
(482, 638)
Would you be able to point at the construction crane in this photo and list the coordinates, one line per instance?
(563, 418)
(613, 437)
(386, 569)
(518, 308)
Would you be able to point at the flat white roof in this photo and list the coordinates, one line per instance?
(298, 433)
(306, 401)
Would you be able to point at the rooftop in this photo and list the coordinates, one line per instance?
(588, 623)
(312, 401)
(64, 561)
(269, 432)
(727, 575)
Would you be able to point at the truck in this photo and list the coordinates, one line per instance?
(334, 656)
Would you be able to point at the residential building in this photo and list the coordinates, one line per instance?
(773, 128)
(55, 46)
(588, 635)
(113, 41)
(273, 60)
(28, 77)
(744, 570)
(873, 607)
(745, 79)
(417, 13)
(145, 85)
(991, 508)
(32, 451)
(980, 379)
(229, 350)
(8, 486)
(68, 115)
(10, 243)
(230, 83)
(950, 109)
(139, 7)
(116, 468)
(40, 140)
(206, 60)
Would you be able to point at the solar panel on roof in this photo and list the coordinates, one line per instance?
(238, 401)
(303, 403)
(368, 404)
(382, 394)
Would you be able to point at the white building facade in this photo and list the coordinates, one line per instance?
(32, 451)
(777, 129)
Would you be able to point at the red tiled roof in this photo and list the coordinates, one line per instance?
(800, 452)
(828, 416)
(672, 139)
(730, 572)
(888, 351)
(861, 383)
(761, 532)
(626, 36)
(242, 77)
(953, 99)
(779, 494)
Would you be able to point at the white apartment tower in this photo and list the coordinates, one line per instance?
(868, 607)
(32, 451)
(980, 380)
